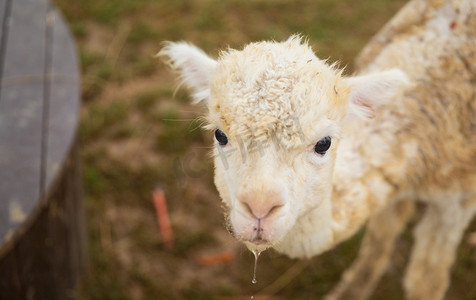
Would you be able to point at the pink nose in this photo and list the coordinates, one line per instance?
(261, 204)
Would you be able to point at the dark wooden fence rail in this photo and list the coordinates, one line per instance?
(42, 245)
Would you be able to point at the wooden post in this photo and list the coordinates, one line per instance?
(42, 235)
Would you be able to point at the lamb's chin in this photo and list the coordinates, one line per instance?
(256, 247)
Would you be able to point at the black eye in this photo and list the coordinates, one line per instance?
(221, 137)
(322, 145)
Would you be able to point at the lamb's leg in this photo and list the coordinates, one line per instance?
(361, 278)
(436, 239)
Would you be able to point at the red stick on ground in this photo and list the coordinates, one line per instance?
(163, 218)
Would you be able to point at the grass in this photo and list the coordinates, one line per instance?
(135, 135)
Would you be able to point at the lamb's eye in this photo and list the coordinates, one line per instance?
(221, 137)
(322, 145)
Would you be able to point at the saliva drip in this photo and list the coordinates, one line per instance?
(256, 254)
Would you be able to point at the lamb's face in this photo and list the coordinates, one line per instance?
(276, 111)
(266, 187)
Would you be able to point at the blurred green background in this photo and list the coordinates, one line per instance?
(136, 135)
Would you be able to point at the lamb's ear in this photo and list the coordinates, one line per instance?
(192, 64)
(367, 92)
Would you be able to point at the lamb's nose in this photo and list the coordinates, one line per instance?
(261, 211)
(262, 206)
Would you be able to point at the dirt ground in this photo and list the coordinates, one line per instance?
(137, 134)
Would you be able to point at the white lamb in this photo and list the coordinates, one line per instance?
(304, 157)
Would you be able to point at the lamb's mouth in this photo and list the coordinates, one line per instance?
(258, 240)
